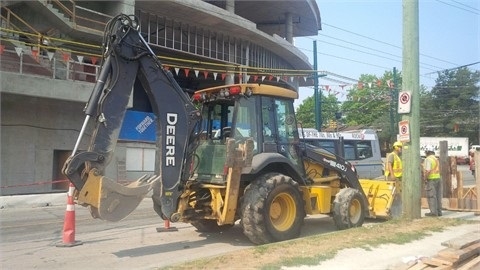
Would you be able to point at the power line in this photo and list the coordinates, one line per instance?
(464, 9)
(386, 43)
(449, 69)
(340, 76)
(462, 4)
(396, 60)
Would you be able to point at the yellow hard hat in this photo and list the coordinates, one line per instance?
(397, 144)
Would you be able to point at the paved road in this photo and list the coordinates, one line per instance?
(29, 237)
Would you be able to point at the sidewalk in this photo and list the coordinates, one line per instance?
(33, 200)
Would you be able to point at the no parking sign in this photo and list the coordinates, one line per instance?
(404, 102)
(404, 131)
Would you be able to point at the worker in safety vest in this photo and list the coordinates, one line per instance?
(393, 164)
(433, 183)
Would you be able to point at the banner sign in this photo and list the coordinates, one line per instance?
(138, 126)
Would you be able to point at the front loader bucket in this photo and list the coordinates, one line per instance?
(111, 201)
(384, 198)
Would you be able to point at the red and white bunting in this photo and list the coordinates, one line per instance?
(50, 55)
(35, 55)
(18, 50)
(65, 56)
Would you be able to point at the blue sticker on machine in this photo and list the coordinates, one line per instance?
(138, 126)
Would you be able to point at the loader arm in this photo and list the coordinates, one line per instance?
(348, 174)
(127, 57)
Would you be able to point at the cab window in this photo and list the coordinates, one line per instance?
(245, 124)
(364, 150)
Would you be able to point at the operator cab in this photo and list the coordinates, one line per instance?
(263, 113)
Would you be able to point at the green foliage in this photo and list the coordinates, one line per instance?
(306, 111)
(368, 103)
(451, 108)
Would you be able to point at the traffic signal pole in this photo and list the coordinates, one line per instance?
(317, 93)
(411, 178)
(317, 96)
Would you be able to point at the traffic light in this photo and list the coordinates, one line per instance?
(332, 124)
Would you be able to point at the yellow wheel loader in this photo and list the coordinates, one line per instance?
(224, 154)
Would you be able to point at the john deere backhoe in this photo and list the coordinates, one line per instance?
(225, 154)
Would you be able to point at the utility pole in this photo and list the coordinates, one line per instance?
(411, 179)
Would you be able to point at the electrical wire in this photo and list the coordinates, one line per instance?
(464, 9)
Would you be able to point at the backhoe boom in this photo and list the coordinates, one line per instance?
(128, 58)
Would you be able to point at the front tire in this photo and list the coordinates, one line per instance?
(272, 209)
(349, 209)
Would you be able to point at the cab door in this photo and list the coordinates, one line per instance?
(280, 128)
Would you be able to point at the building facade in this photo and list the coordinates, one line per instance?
(51, 53)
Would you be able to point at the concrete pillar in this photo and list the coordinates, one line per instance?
(230, 6)
(124, 6)
(247, 56)
(230, 78)
(289, 27)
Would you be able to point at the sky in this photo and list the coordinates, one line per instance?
(365, 37)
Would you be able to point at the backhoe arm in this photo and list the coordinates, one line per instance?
(128, 57)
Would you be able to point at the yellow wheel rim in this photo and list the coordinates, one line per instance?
(355, 211)
(282, 212)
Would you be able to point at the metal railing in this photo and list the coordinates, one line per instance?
(81, 17)
(43, 64)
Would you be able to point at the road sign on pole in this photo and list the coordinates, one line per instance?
(404, 131)
(404, 101)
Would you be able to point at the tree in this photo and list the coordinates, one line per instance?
(451, 108)
(370, 103)
(306, 111)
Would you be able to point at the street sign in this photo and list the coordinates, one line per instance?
(404, 131)
(404, 101)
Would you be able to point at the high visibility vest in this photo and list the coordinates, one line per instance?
(434, 170)
(396, 166)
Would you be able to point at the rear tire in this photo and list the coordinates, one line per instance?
(349, 209)
(272, 209)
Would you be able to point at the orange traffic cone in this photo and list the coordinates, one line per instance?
(69, 222)
(167, 227)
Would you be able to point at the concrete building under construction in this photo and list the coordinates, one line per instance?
(51, 53)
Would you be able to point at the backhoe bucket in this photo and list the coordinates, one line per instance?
(111, 201)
